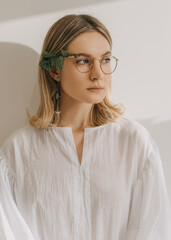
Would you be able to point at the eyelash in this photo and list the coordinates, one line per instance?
(78, 61)
(107, 58)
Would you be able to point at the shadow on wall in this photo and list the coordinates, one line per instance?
(161, 133)
(18, 86)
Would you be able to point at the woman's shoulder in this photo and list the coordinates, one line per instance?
(132, 132)
(23, 142)
(131, 127)
(21, 135)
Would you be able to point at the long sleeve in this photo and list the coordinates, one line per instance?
(12, 224)
(150, 211)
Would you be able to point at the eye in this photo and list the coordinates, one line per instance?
(82, 61)
(106, 59)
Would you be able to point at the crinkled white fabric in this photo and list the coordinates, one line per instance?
(12, 224)
(118, 192)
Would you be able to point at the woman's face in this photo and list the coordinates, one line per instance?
(75, 84)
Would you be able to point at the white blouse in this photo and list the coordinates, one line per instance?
(118, 192)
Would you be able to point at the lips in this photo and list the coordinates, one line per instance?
(95, 88)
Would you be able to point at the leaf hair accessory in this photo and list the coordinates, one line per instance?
(52, 60)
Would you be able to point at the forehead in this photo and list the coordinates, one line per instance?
(93, 43)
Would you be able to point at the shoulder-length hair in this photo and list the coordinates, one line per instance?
(59, 36)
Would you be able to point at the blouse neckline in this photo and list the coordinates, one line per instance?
(85, 129)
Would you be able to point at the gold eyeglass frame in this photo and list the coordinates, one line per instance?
(90, 66)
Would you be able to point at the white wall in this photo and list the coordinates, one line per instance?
(142, 41)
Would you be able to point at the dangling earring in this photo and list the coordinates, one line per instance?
(58, 98)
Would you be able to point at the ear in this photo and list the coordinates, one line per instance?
(55, 74)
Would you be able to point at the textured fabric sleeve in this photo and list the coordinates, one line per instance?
(12, 224)
(150, 210)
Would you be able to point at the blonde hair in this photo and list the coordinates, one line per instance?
(59, 36)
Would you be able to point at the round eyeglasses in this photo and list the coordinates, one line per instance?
(84, 63)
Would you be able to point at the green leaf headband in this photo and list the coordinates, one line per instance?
(52, 60)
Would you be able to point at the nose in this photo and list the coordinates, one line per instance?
(96, 72)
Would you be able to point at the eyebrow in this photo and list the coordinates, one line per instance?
(86, 54)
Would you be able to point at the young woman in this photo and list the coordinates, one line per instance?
(80, 170)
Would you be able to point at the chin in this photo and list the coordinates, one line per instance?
(95, 101)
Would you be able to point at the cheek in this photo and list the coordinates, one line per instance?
(107, 81)
(71, 81)
(107, 84)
